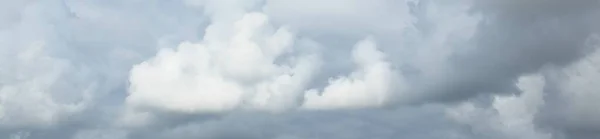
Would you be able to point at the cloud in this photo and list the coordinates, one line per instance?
(222, 74)
(63, 58)
(571, 96)
(289, 69)
(343, 17)
(31, 77)
(509, 116)
(506, 43)
(371, 85)
(326, 124)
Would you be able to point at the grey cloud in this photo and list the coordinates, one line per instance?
(426, 122)
(342, 124)
(522, 37)
(512, 39)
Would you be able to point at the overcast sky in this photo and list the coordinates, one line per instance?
(299, 69)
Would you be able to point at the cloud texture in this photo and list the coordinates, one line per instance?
(299, 69)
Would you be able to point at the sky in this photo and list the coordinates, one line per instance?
(299, 69)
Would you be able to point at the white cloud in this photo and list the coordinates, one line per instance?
(30, 79)
(60, 58)
(370, 85)
(510, 116)
(27, 91)
(222, 74)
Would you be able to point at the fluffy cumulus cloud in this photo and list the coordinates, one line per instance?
(217, 74)
(371, 85)
(299, 69)
(510, 116)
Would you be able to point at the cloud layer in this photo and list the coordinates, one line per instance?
(299, 69)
